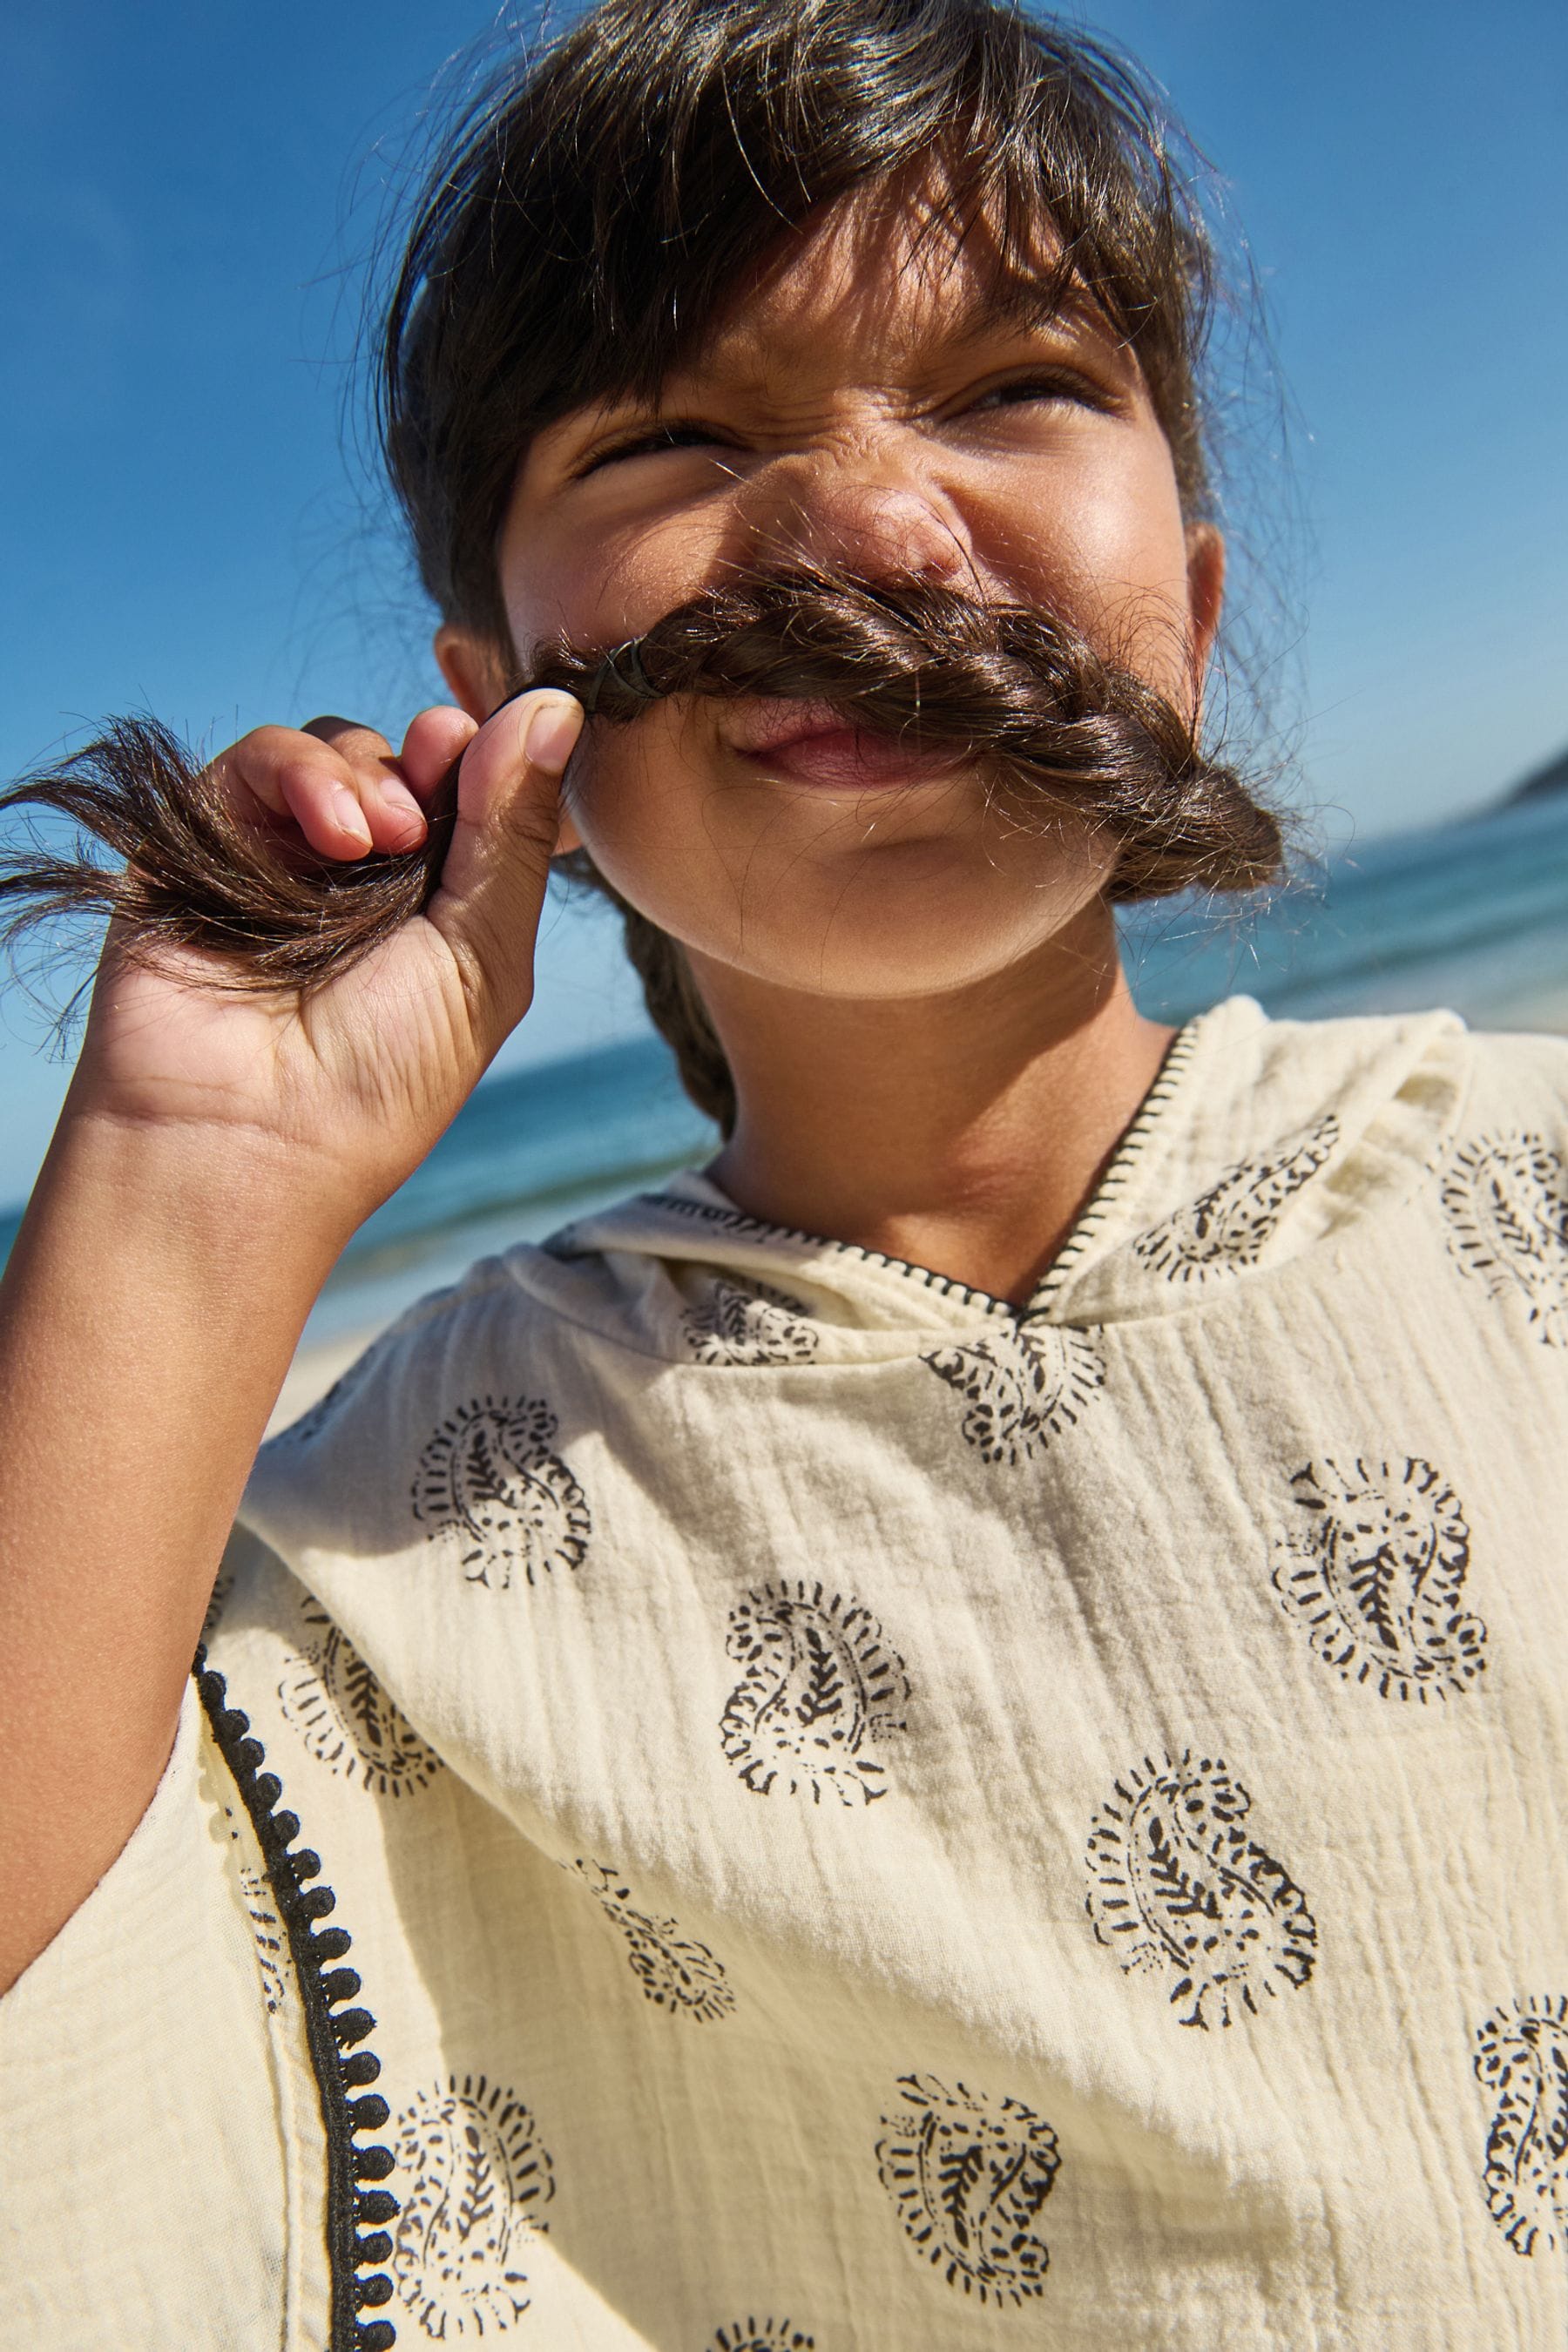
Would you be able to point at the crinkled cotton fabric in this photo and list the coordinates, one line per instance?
(871, 1818)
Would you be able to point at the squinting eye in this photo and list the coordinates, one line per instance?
(1074, 388)
(658, 438)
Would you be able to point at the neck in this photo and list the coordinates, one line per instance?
(963, 1132)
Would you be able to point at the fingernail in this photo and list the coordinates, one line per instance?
(552, 732)
(399, 799)
(351, 816)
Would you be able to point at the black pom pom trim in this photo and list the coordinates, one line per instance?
(330, 2031)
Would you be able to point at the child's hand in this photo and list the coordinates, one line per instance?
(357, 1080)
(218, 1148)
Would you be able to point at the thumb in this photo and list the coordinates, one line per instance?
(493, 885)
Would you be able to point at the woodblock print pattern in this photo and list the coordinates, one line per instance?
(749, 1323)
(1522, 2059)
(478, 2180)
(675, 1973)
(819, 1684)
(1021, 1390)
(489, 1478)
(761, 2336)
(1375, 1571)
(1179, 1890)
(967, 2177)
(347, 1720)
(1225, 1230)
(267, 1930)
(1506, 1201)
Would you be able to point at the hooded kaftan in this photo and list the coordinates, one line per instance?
(875, 1821)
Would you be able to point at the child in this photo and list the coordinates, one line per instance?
(950, 1732)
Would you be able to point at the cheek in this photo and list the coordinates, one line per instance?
(1134, 555)
(597, 585)
(830, 896)
(638, 805)
(1104, 544)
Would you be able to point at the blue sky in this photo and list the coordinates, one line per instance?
(189, 193)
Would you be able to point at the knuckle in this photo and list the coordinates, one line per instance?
(265, 751)
(350, 737)
(522, 824)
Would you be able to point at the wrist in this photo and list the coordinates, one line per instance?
(214, 1211)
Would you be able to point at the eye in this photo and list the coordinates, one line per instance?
(651, 442)
(1053, 385)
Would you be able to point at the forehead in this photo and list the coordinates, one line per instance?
(887, 281)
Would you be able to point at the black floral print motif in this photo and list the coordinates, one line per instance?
(1375, 1569)
(479, 2181)
(761, 2336)
(1521, 2056)
(1178, 1889)
(345, 1719)
(750, 1324)
(1021, 1390)
(674, 1973)
(1225, 1229)
(1506, 1200)
(819, 1683)
(968, 2178)
(267, 1930)
(489, 1477)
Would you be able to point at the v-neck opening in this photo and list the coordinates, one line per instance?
(1112, 1180)
(1117, 1170)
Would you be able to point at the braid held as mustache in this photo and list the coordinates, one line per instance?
(1056, 727)
(1051, 720)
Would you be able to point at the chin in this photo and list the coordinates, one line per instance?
(881, 894)
(881, 943)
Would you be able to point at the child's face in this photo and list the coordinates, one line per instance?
(860, 408)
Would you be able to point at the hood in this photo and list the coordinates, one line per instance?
(1259, 1141)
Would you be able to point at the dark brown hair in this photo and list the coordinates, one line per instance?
(598, 210)
(1052, 725)
(586, 226)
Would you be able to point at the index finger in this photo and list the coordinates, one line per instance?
(393, 815)
(352, 736)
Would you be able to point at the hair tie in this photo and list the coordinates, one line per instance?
(634, 678)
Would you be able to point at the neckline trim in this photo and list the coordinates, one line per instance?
(1117, 1172)
(1113, 1181)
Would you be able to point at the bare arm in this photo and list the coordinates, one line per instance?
(152, 1302)
(214, 1157)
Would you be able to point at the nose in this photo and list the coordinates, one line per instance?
(838, 516)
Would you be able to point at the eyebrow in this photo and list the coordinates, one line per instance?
(1008, 298)
(1023, 299)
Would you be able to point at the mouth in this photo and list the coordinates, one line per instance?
(814, 743)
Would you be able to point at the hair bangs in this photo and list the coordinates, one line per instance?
(604, 203)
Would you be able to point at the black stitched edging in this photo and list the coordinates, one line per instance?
(330, 2032)
(1178, 1054)
(1174, 1063)
(747, 1228)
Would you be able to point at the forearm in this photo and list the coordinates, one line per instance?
(154, 1299)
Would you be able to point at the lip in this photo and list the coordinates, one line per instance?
(816, 744)
(768, 726)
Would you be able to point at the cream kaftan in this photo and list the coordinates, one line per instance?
(871, 1820)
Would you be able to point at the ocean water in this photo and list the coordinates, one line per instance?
(1472, 916)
